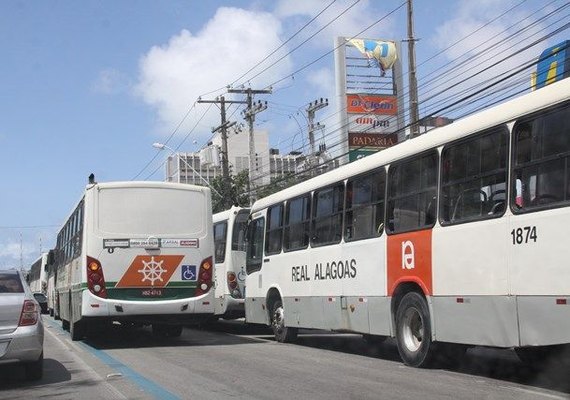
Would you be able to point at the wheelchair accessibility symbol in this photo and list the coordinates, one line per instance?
(188, 272)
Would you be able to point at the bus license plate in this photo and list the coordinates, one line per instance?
(151, 292)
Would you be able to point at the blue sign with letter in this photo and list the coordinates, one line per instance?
(553, 64)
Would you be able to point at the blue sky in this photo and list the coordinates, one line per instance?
(88, 86)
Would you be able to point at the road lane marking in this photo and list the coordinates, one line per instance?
(145, 384)
(76, 358)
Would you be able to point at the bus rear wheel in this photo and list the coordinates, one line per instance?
(283, 333)
(413, 331)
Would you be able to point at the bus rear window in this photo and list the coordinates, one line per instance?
(151, 211)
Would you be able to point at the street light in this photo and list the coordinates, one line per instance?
(162, 146)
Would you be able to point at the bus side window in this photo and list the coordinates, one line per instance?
(474, 176)
(274, 233)
(412, 193)
(327, 215)
(297, 224)
(364, 212)
(541, 156)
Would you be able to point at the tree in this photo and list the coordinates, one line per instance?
(233, 194)
(277, 184)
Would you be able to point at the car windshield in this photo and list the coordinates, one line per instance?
(10, 283)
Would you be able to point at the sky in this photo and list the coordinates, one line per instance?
(88, 86)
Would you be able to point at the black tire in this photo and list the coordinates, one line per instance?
(413, 331)
(65, 325)
(283, 333)
(35, 369)
(51, 312)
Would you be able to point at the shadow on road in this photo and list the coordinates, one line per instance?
(12, 376)
(120, 337)
(499, 364)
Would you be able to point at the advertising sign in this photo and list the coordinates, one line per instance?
(372, 104)
(371, 140)
(383, 53)
(372, 123)
(553, 64)
(354, 155)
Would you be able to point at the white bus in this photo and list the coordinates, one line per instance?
(37, 277)
(136, 252)
(229, 258)
(454, 238)
(50, 289)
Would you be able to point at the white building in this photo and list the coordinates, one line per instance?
(196, 167)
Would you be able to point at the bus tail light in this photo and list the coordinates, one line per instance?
(233, 285)
(29, 315)
(95, 278)
(205, 276)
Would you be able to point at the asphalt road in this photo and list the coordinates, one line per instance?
(230, 360)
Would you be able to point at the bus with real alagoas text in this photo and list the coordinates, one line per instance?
(452, 239)
(137, 253)
(229, 259)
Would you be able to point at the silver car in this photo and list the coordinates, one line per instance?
(21, 327)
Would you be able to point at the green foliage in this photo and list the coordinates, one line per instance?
(233, 194)
(276, 185)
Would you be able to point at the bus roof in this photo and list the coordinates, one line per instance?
(222, 215)
(491, 117)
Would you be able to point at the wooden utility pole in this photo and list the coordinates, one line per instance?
(413, 83)
(249, 115)
(223, 127)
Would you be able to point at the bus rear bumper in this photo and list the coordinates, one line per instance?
(186, 309)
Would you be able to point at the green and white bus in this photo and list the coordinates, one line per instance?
(137, 253)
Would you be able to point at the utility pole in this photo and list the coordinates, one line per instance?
(249, 115)
(311, 109)
(223, 127)
(413, 83)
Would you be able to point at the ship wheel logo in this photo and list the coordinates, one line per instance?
(152, 271)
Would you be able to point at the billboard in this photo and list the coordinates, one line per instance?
(553, 64)
(371, 123)
(371, 104)
(368, 75)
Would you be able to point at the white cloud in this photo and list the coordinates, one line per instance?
(173, 75)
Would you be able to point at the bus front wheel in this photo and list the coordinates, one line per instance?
(413, 331)
(283, 333)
